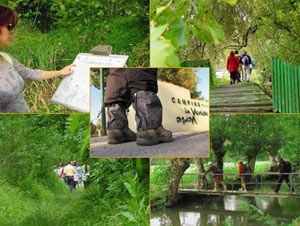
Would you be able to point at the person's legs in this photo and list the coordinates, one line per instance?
(279, 182)
(143, 87)
(287, 180)
(118, 130)
(232, 78)
(224, 186)
(117, 101)
(243, 181)
(74, 184)
(248, 73)
(244, 73)
(70, 183)
(238, 76)
(215, 185)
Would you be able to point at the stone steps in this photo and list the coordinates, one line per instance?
(242, 97)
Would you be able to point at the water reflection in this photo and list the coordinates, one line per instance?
(215, 210)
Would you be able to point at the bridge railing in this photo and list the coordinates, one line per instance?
(285, 87)
(232, 180)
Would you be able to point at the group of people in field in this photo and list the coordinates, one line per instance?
(245, 173)
(73, 174)
(240, 67)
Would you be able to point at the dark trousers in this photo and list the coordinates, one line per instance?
(234, 76)
(70, 182)
(281, 178)
(123, 83)
(133, 86)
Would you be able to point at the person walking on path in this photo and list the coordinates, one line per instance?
(75, 176)
(242, 171)
(233, 67)
(61, 171)
(239, 67)
(13, 73)
(69, 172)
(245, 61)
(79, 170)
(284, 169)
(217, 175)
(138, 87)
(86, 174)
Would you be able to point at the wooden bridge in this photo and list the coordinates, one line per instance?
(240, 193)
(255, 185)
(241, 97)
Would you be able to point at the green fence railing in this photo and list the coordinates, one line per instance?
(200, 63)
(285, 87)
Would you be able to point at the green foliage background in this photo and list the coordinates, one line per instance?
(31, 194)
(50, 34)
(251, 137)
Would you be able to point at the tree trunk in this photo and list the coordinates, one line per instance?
(217, 146)
(251, 162)
(219, 154)
(178, 167)
(273, 164)
(202, 178)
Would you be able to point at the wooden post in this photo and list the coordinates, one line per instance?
(102, 93)
(104, 50)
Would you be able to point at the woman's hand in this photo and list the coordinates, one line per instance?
(67, 70)
(63, 72)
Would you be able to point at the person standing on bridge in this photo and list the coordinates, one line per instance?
(217, 175)
(284, 169)
(242, 171)
(233, 67)
(138, 87)
(245, 61)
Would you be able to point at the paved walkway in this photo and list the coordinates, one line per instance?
(183, 145)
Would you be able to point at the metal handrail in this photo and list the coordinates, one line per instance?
(258, 181)
(265, 173)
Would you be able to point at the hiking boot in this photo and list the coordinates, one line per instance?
(118, 136)
(153, 136)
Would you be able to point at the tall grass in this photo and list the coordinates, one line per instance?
(41, 206)
(59, 47)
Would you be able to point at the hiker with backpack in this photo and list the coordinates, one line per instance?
(245, 61)
(217, 175)
(13, 73)
(233, 67)
(285, 167)
(244, 169)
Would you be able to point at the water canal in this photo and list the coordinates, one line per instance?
(215, 210)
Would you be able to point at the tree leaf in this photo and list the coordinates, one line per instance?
(156, 32)
(177, 33)
(159, 10)
(163, 54)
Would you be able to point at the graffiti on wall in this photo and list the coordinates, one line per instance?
(190, 110)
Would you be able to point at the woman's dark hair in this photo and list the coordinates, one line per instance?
(8, 16)
(231, 53)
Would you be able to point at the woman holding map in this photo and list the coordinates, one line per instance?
(13, 73)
